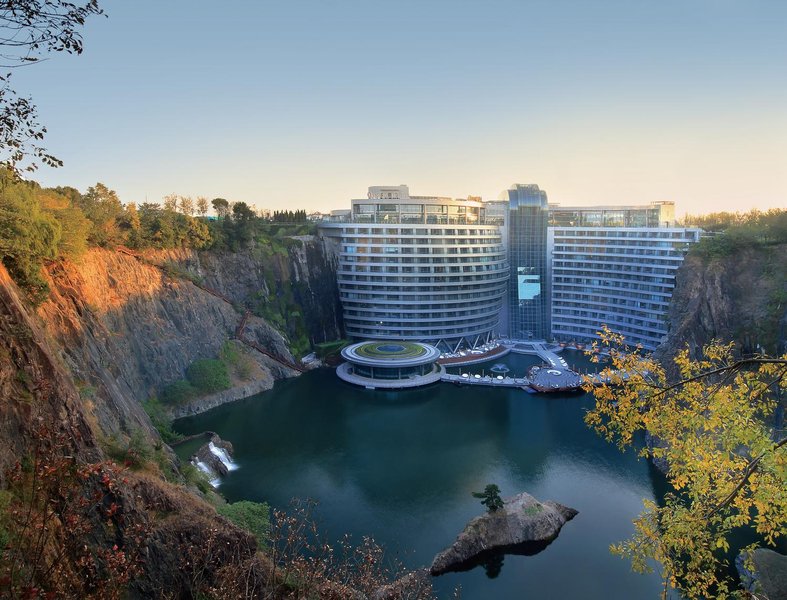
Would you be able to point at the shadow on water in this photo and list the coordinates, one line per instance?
(492, 560)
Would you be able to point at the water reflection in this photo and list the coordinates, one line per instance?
(401, 466)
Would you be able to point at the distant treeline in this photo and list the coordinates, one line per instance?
(732, 232)
(43, 224)
(289, 216)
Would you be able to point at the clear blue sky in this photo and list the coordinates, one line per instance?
(304, 104)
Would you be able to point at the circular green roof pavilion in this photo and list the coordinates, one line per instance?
(390, 364)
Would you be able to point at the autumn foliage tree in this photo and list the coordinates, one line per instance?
(727, 463)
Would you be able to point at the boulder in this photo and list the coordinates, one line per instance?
(768, 575)
(523, 520)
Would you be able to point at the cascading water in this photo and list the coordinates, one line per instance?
(214, 481)
(223, 456)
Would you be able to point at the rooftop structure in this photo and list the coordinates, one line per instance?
(385, 364)
(655, 214)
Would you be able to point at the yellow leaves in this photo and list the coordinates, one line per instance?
(713, 429)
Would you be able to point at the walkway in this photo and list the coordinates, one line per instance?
(488, 380)
(472, 357)
(540, 348)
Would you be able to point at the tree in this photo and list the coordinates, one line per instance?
(171, 202)
(715, 428)
(490, 497)
(202, 206)
(221, 206)
(29, 29)
(103, 207)
(28, 235)
(243, 218)
(74, 227)
(187, 205)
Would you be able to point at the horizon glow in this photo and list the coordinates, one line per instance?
(306, 104)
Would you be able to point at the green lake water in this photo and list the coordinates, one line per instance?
(401, 466)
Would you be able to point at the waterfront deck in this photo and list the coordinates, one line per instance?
(471, 357)
(488, 380)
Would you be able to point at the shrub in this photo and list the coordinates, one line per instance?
(327, 349)
(134, 452)
(237, 360)
(208, 375)
(161, 421)
(178, 392)
(63, 532)
(254, 517)
(193, 476)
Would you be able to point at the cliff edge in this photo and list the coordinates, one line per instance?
(740, 298)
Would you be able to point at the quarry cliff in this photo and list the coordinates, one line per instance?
(127, 325)
(116, 327)
(741, 298)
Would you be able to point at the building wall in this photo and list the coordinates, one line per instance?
(528, 290)
(419, 268)
(619, 276)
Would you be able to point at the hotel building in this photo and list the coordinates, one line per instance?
(574, 269)
(421, 268)
(622, 277)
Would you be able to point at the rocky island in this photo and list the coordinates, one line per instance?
(522, 520)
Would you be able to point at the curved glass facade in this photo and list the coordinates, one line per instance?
(417, 268)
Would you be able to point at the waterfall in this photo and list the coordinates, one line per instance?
(222, 455)
(214, 481)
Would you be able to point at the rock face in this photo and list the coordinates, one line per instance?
(302, 280)
(769, 577)
(737, 298)
(36, 389)
(523, 519)
(125, 329)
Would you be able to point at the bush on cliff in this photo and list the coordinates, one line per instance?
(178, 392)
(208, 375)
(254, 517)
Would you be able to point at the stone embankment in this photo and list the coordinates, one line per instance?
(521, 520)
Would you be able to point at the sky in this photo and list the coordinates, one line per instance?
(304, 104)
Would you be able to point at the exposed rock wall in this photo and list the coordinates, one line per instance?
(35, 387)
(125, 329)
(299, 283)
(740, 298)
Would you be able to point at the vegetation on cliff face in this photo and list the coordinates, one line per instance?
(727, 461)
(732, 287)
(38, 226)
(733, 232)
(144, 531)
